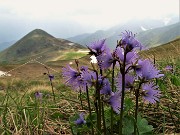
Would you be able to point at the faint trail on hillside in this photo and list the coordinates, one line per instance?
(46, 66)
(35, 60)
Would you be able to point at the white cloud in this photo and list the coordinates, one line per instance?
(89, 12)
(66, 18)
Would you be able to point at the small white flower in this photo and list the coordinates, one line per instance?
(93, 59)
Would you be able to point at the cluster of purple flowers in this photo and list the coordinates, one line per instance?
(136, 70)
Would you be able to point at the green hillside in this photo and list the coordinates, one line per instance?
(170, 50)
(38, 43)
(158, 36)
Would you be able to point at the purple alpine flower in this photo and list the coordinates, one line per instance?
(80, 120)
(147, 70)
(150, 93)
(106, 88)
(88, 77)
(129, 41)
(38, 95)
(131, 57)
(51, 77)
(129, 80)
(97, 48)
(169, 68)
(115, 101)
(84, 68)
(105, 61)
(70, 75)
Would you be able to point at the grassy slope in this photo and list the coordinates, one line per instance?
(29, 79)
(168, 50)
(165, 116)
(37, 43)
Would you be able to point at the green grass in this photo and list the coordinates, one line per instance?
(73, 55)
(21, 113)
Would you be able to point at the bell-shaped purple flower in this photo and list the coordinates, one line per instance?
(146, 70)
(131, 57)
(169, 68)
(150, 93)
(70, 75)
(51, 77)
(80, 120)
(129, 41)
(87, 78)
(115, 101)
(84, 68)
(129, 80)
(105, 61)
(97, 48)
(106, 88)
(38, 95)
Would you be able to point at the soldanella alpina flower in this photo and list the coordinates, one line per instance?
(105, 61)
(70, 74)
(38, 95)
(80, 120)
(150, 93)
(169, 68)
(129, 42)
(51, 77)
(106, 88)
(97, 48)
(129, 80)
(146, 70)
(73, 77)
(115, 101)
(131, 57)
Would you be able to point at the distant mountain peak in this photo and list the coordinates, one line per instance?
(39, 32)
(37, 43)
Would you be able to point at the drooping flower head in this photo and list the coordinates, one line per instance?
(129, 80)
(129, 42)
(88, 77)
(105, 61)
(131, 57)
(38, 95)
(98, 47)
(80, 120)
(150, 93)
(70, 75)
(51, 77)
(115, 102)
(106, 88)
(169, 68)
(146, 70)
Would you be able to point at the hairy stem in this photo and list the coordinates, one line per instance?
(80, 96)
(112, 87)
(104, 122)
(123, 93)
(89, 107)
(137, 108)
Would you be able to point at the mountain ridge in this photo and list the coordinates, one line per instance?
(141, 28)
(36, 43)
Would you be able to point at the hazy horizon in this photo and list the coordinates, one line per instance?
(67, 18)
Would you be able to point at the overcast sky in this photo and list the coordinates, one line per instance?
(70, 17)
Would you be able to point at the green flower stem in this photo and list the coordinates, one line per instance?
(104, 121)
(137, 108)
(123, 93)
(51, 86)
(112, 87)
(80, 96)
(89, 107)
(99, 104)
